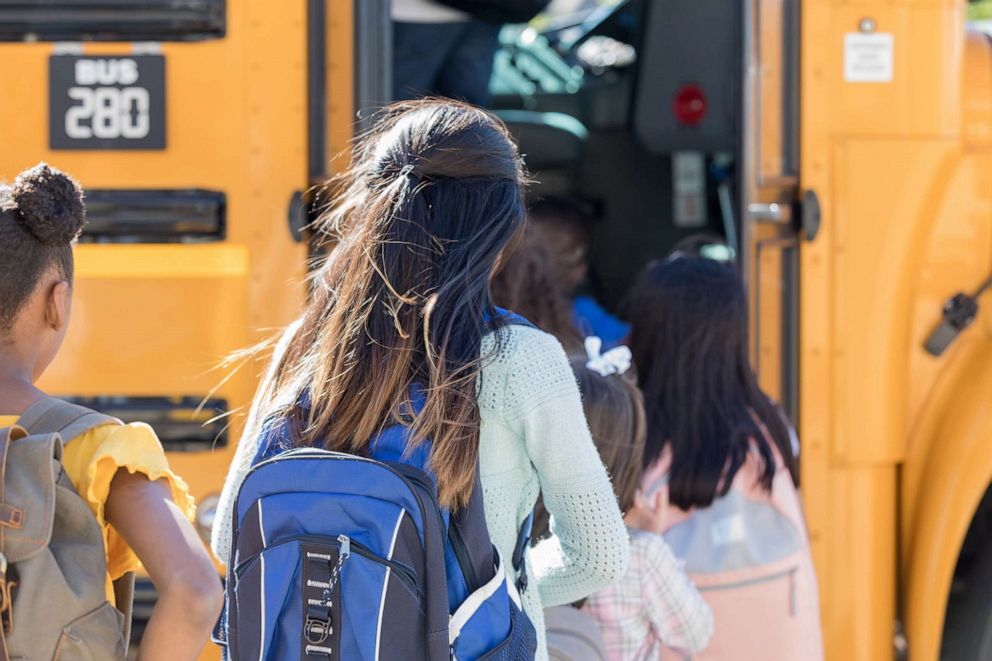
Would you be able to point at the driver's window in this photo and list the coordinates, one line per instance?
(570, 44)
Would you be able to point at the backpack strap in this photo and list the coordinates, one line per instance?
(520, 552)
(12, 517)
(51, 415)
(124, 602)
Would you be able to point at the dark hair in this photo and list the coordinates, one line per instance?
(567, 211)
(526, 285)
(614, 409)
(433, 196)
(41, 215)
(689, 339)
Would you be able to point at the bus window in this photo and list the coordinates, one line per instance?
(127, 20)
(196, 153)
(154, 216)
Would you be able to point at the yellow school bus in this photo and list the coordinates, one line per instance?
(197, 130)
(840, 149)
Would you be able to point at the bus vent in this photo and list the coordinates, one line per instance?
(111, 20)
(183, 424)
(154, 216)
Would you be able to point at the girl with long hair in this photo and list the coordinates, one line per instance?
(433, 199)
(722, 453)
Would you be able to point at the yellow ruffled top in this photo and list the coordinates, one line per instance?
(91, 461)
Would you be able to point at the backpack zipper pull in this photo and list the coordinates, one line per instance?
(345, 549)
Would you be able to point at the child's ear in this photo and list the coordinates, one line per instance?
(57, 306)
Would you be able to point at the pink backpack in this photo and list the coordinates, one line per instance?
(748, 553)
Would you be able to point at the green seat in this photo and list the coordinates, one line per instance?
(547, 140)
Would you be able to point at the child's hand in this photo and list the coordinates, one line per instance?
(649, 517)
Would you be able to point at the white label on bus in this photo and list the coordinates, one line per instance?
(868, 58)
(689, 188)
(108, 113)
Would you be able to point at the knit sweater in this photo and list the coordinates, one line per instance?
(533, 439)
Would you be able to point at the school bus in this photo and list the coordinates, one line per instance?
(841, 149)
(197, 130)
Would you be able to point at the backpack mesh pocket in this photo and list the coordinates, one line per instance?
(491, 625)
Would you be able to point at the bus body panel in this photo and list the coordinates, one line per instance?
(947, 477)
(156, 320)
(892, 459)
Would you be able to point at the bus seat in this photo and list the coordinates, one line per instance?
(548, 140)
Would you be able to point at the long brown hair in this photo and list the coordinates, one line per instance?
(434, 194)
(525, 284)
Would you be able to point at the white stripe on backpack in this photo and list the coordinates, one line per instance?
(385, 584)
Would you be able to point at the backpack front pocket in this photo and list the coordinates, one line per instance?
(96, 636)
(312, 596)
(273, 591)
(757, 615)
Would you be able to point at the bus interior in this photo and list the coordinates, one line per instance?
(624, 108)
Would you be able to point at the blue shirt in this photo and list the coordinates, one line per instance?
(591, 319)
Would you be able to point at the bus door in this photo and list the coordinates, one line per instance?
(187, 125)
(768, 185)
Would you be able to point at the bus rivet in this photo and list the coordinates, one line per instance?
(867, 25)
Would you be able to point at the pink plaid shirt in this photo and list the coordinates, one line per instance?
(652, 606)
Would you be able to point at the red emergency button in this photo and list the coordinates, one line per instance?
(690, 105)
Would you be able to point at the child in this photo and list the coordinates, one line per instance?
(722, 452)
(562, 226)
(435, 197)
(525, 283)
(119, 470)
(655, 603)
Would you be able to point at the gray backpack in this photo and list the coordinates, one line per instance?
(53, 565)
(572, 635)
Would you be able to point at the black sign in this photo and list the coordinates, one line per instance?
(106, 102)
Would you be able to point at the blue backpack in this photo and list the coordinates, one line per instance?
(337, 556)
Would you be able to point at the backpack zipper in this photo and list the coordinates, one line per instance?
(346, 546)
(787, 573)
(460, 549)
(315, 453)
(749, 581)
(455, 538)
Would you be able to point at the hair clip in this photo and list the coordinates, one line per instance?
(615, 361)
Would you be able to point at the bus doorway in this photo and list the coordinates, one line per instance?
(676, 124)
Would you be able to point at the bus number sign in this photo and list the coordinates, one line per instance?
(108, 102)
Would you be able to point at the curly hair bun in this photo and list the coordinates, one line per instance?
(50, 204)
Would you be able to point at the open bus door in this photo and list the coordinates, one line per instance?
(768, 184)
